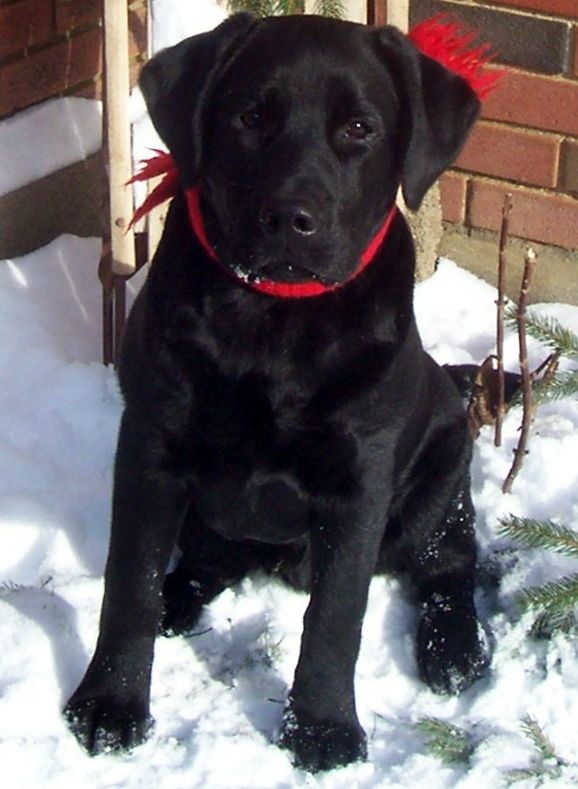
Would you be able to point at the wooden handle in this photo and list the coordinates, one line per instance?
(118, 134)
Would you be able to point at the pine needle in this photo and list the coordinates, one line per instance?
(445, 741)
(260, 8)
(539, 774)
(561, 386)
(549, 622)
(289, 7)
(540, 534)
(538, 738)
(550, 764)
(256, 7)
(549, 331)
(334, 8)
(556, 598)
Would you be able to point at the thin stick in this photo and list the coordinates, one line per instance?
(501, 301)
(528, 409)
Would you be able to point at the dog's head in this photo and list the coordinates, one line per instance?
(299, 131)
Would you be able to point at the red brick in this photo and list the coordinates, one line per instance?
(530, 100)
(71, 14)
(50, 71)
(569, 168)
(567, 8)
(537, 216)
(90, 90)
(453, 196)
(527, 41)
(531, 158)
(24, 25)
(576, 51)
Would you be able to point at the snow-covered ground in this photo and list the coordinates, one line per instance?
(217, 697)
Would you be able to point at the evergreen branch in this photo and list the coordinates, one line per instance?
(550, 622)
(447, 742)
(540, 534)
(334, 8)
(528, 773)
(289, 7)
(549, 765)
(539, 739)
(562, 385)
(260, 8)
(556, 598)
(549, 331)
(256, 7)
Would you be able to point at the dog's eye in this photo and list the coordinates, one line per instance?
(252, 119)
(358, 129)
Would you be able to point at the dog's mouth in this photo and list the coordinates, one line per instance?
(285, 271)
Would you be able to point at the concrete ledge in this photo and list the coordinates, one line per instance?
(556, 273)
(68, 201)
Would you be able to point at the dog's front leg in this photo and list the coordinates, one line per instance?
(320, 724)
(110, 708)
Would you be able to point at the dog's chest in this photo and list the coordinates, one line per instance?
(260, 456)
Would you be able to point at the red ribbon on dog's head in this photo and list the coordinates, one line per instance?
(438, 38)
(442, 39)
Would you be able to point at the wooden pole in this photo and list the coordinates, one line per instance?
(117, 79)
(398, 14)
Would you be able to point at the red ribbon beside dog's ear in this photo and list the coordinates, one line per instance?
(162, 163)
(453, 47)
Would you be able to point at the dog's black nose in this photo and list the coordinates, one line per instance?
(287, 216)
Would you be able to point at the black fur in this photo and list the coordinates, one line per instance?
(312, 438)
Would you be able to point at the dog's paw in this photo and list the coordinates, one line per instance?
(321, 744)
(452, 648)
(104, 724)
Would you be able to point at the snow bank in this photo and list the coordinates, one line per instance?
(43, 139)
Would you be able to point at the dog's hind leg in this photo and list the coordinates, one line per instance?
(451, 646)
(437, 548)
(210, 564)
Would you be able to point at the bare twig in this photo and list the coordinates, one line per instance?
(527, 400)
(547, 369)
(501, 409)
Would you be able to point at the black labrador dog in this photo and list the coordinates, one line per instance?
(304, 433)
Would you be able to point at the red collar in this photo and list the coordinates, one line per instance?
(284, 290)
(163, 164)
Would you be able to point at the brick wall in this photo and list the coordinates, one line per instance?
(53, 48)
(526, 142)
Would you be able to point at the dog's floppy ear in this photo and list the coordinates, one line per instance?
(175, 82)
(438, 108)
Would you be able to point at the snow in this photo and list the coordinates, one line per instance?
(217, 697)
(177, 19)
(45, 138)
